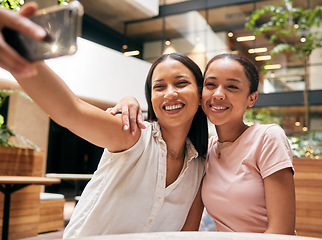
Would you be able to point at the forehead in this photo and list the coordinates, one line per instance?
(171, 68)
(226, 67)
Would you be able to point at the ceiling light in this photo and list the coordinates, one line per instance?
(263, 58)
(296, 26)
(303, 39)
(167, 42)
(230, 34)
(124, 46)
(297, 123)
(273, 66)
(132, 53)
(257, 50)
(245, 38)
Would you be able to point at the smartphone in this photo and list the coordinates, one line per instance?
(63, 24)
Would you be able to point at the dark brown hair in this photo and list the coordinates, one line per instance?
(198, 133)
(249, 68)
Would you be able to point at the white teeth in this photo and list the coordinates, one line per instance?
(173, 107)
(218, 108)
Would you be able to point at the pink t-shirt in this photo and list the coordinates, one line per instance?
(233, 188)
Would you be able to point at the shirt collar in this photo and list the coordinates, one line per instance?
(190, 151)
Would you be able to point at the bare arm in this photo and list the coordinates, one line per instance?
(194, 217)
(280, 202)
(57, 100)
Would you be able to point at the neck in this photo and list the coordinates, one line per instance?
(175, 140)
(229, 133)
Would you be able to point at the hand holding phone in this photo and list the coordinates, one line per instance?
(63, 25)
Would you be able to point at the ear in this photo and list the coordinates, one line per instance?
(252, 99)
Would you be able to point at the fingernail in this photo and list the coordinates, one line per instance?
(126, 127)
(42, 32)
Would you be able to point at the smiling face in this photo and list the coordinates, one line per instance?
(174, 94)
(226, 93)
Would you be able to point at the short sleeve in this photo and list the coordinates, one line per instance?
(135, 151)
(276, 153)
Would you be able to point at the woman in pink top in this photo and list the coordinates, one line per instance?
(249, 184)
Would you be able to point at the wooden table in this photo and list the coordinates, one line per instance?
(10, 184)
(196, 236)
(72, 177)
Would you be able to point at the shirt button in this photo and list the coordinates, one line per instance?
(150, 221)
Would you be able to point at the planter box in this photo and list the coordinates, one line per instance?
(51, 215)
(25, 203)
(308, 190)
(20, 162)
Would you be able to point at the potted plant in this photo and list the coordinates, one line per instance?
(294, 30)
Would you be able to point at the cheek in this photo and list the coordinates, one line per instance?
(154, 100)
(205, 96)
(196, 97)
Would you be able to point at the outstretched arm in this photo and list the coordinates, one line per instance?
(53, 95)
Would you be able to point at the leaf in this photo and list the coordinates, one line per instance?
(282, 47)
(1, 120)
(280, 24)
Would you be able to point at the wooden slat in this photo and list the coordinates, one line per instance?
(308, 190)
(51, 215)
(24, 207)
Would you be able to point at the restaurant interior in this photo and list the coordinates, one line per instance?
(134, 33)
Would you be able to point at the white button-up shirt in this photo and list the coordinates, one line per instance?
(128, 192)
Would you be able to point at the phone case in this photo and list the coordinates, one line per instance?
(63, 24)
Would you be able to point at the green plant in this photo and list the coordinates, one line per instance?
(16, 4)
(293, 30)
(286, 20)
(262, 116)
(12, 4)
(308, 145)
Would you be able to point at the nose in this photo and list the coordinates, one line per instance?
(219, 93)
(171, 93)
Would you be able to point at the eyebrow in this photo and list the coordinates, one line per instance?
(158, 80)
(176, 77)
(233, 80)
(183, 75)
(228, 79)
